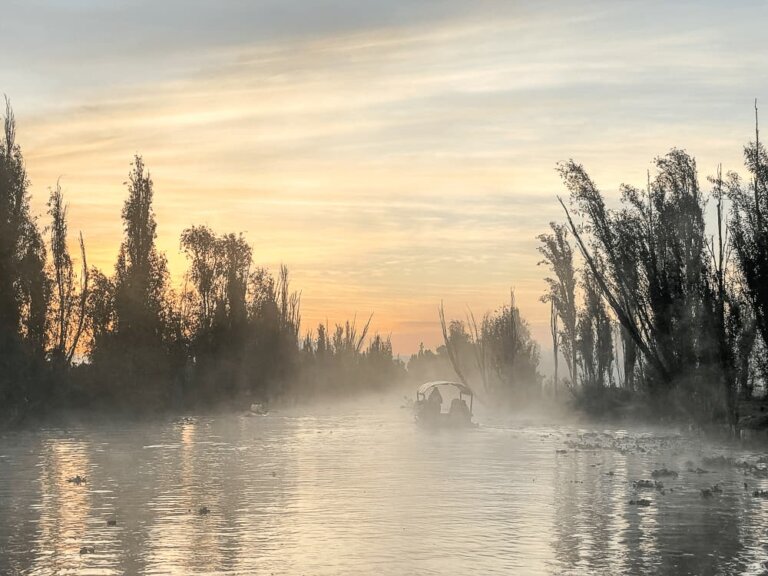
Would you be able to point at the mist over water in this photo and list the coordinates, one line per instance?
(358, 488)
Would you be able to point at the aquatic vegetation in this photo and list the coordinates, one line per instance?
(756, 470)
(719, 461)
(664, 473)
(711, 491)
(584, 446)
(648, 485)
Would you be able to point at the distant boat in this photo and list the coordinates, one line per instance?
(428, 406)
(259, 409)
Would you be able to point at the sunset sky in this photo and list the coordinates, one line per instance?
(391, 153)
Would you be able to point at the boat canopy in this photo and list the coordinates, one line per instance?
(427, 387)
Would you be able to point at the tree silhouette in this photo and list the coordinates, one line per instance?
(558, 255)
(68, 300)
(24, 288)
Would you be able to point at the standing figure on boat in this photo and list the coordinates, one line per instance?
(435, 400)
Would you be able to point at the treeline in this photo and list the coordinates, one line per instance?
(495, 356)
(651, 306)
(75, 336)
(658, 303)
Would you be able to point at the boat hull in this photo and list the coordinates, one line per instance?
(427, 419)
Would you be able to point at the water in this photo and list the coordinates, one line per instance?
(361, 490)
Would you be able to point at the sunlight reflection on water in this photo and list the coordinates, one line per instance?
(363, 491)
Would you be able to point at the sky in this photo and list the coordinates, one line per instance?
(393, 154)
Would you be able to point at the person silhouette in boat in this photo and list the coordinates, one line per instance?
(459, 411)
(435, 400)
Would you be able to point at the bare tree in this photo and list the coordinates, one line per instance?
(68, 302)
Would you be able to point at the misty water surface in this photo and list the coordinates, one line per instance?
(361, 490)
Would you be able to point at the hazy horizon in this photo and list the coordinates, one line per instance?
(391, 156)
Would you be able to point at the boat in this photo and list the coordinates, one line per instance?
(428, 406)
(258, 410)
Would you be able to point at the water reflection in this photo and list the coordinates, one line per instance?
(362, 492)
(64, 506)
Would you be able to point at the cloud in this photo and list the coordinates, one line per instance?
(392, 153)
